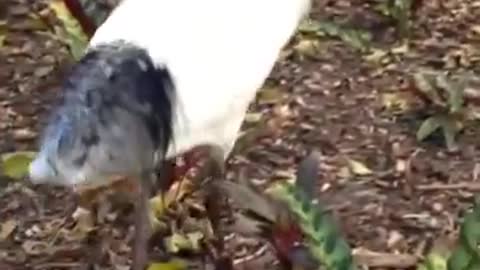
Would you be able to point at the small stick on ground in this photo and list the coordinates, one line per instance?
(473, 187)
(384, 260)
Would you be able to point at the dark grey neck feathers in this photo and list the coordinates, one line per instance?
(109, 77)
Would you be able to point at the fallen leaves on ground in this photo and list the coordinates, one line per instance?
(323, 96)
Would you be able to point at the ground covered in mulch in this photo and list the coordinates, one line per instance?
(407, 197)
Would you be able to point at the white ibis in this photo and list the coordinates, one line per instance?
(159, 78)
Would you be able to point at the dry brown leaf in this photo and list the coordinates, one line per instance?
(252, 118)
(307, 47)
(178, 242)
(395, 101)
(370, 258)
(177, 191)
(358, 168)
(269, 95)
(476, 29)
(402, 49)
(35, 247)
(84, 219)
(376, 56)
(7, 229)
(344, 173)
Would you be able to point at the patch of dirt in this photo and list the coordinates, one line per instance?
(333, 103)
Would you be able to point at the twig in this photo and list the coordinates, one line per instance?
(55, 265)
(383, 260)
(468, 186)
(250, 257)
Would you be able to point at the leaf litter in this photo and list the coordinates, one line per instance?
(356, 109)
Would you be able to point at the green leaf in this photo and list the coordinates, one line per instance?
(466, 256)
(428, 127)
(15, 165)
(321, 233)
(402, 15)
(426, 82)
(460, 259)
(174, 264)
(456, 99)
(399, 10)
(72, 34)
(433, 261)
(358, 39)
(307, 175)
(450, 131)
(454, 89)
(383, 8)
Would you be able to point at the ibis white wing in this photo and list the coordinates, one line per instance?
(219, 53)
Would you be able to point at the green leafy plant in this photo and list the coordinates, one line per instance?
(465, 256)
(433, 261)
(400, 11)
(446, 96)
(288, 214)
(355, 38)
(323, 238)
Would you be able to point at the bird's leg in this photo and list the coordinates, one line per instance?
(142, 223)
(214, 164)
(214, 200)
(217, 155)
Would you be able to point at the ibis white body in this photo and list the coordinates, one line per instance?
(218, 52)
